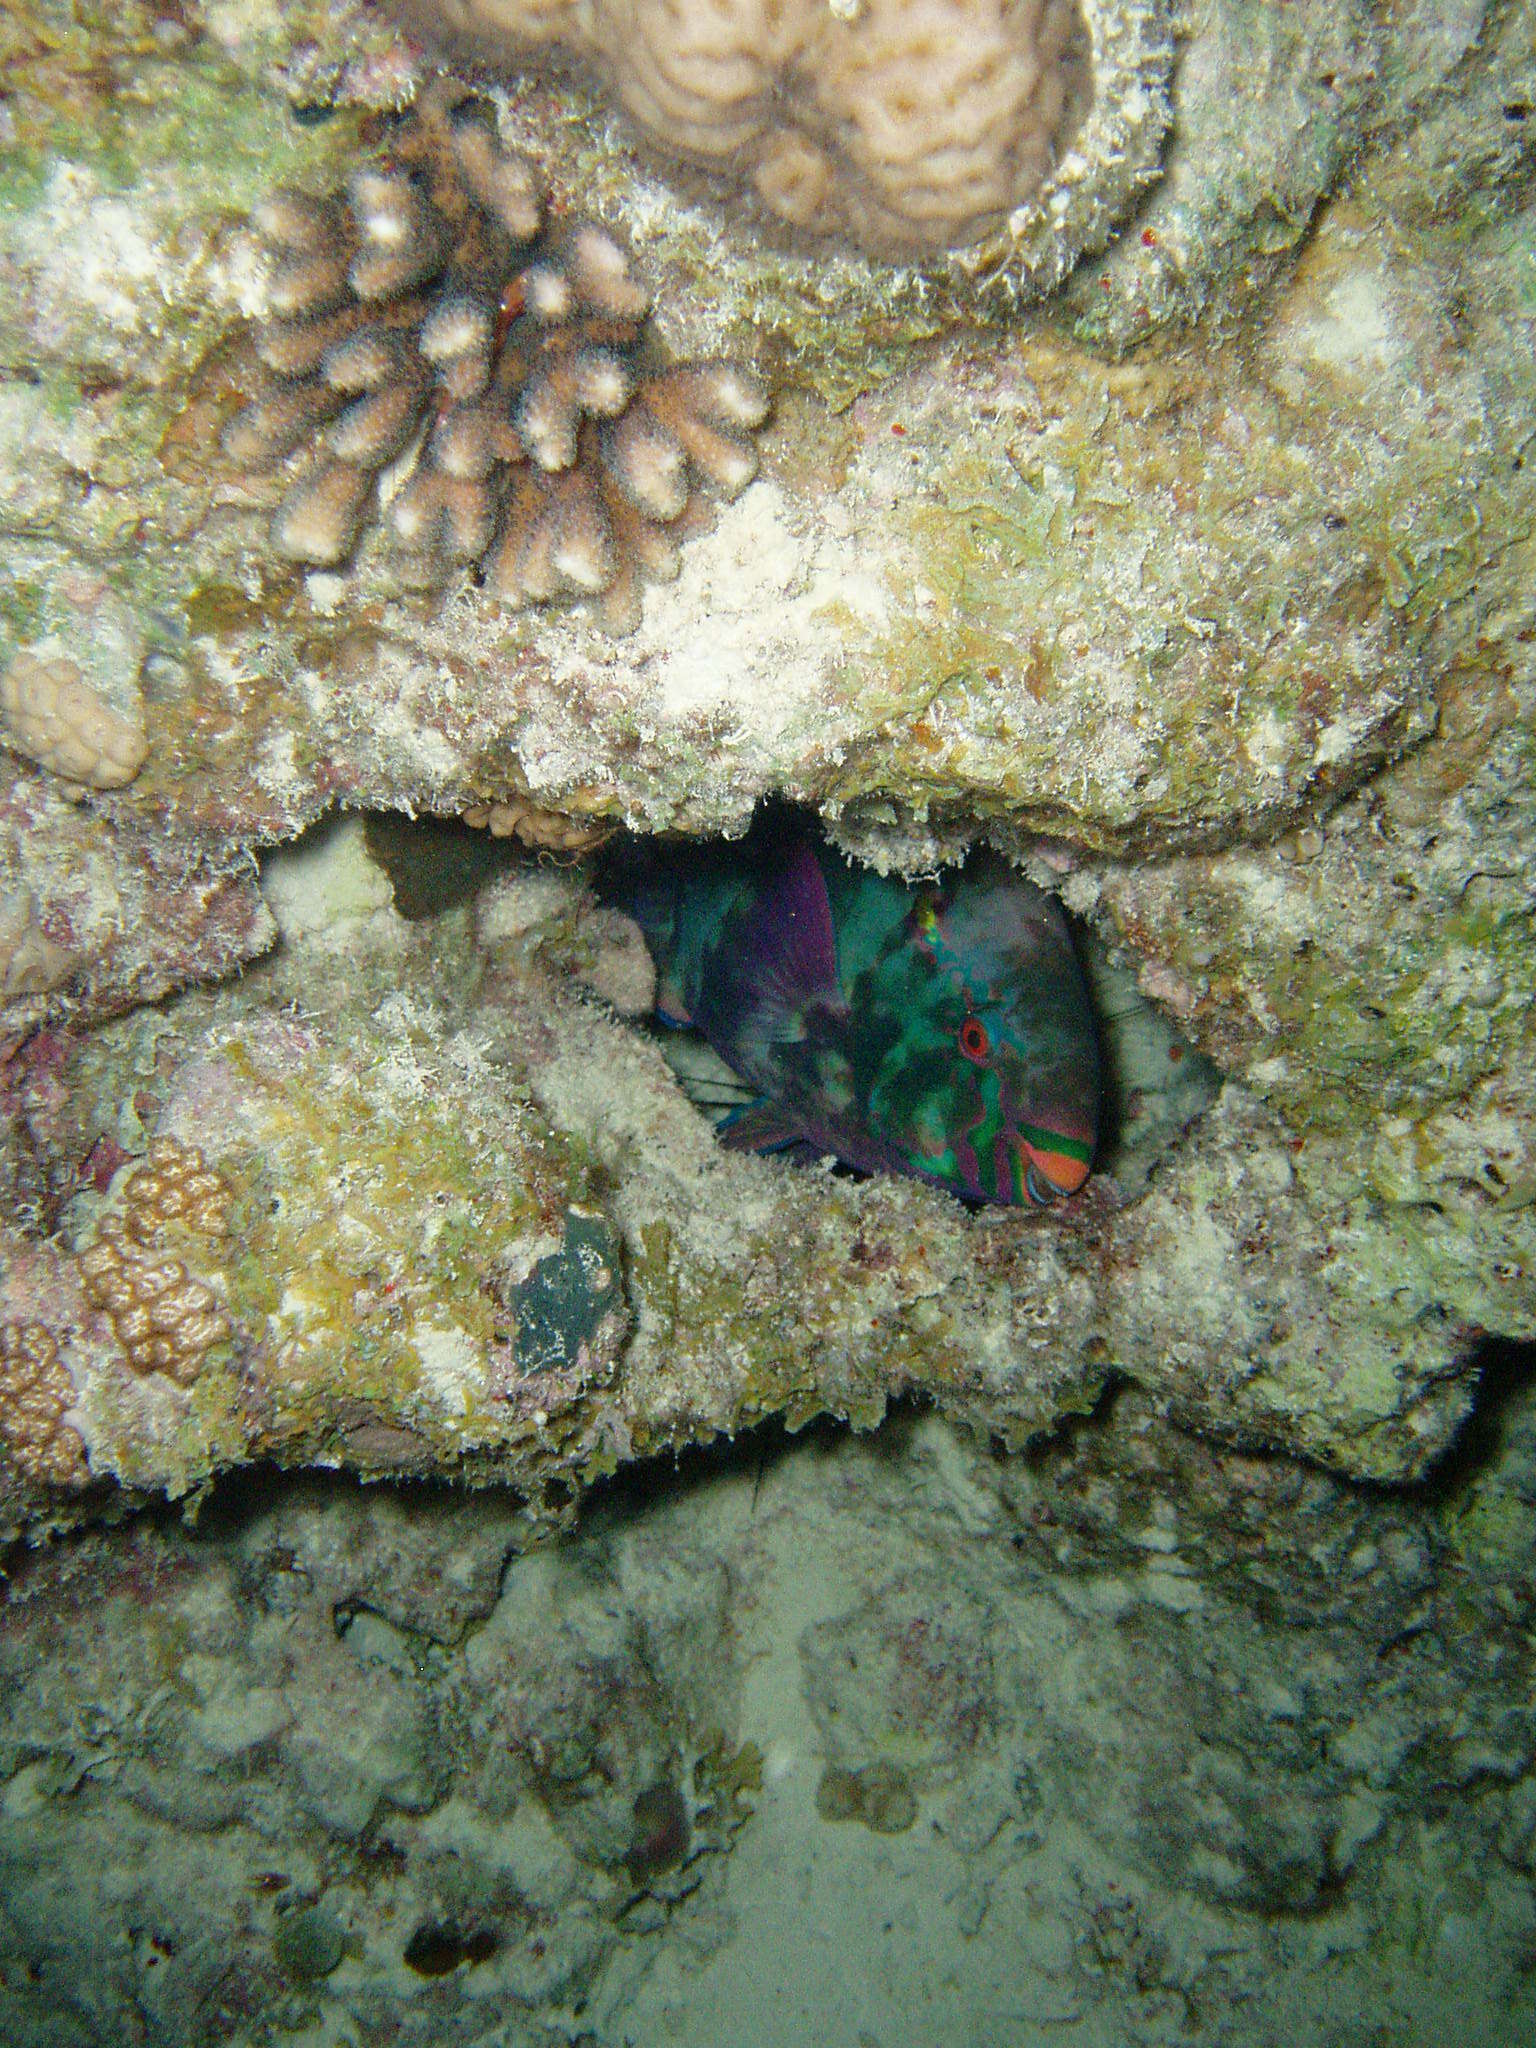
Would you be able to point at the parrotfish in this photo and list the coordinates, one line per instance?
(940, 1029)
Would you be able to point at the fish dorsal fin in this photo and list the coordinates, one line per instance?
(781, 962)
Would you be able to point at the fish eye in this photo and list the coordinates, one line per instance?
(974, 1041)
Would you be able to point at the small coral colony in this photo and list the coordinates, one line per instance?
(480, 371)
(436, 345)
(904, 127)
(437, 348)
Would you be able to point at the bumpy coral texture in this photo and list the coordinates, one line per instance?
(433, 324)
(49, 712)
(35, 1392)
(536, 826)
(165, 1317)
(911, 126)
(174, 1186)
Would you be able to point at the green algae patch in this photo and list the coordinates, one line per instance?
(1150, 608)
(120, 257)
(340, 1156)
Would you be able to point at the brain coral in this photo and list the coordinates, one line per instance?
(909, 126)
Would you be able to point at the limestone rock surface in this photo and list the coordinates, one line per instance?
(1174, 1741)
(1202, 589)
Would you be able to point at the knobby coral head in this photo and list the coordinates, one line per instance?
(1014, 133)
(908, 126)
(430, 337)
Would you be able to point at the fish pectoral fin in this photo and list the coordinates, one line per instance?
(781, 962)
(762, 1126)
(670, 1006)
(702, 1075)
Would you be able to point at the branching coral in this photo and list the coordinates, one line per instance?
(437, 337)
(49, 712)
(910, 127)
(35, 1393)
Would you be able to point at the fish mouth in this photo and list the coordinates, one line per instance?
(1051, 1172)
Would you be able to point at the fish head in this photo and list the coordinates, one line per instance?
(993, 1081)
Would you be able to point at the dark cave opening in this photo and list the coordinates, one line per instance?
(1153, 1083)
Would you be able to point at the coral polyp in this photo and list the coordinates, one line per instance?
(36, 1394)
(49, 712)
(174, 1186)
(165, 1317)
(434, 345)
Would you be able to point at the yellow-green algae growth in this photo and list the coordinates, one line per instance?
(1153, 601)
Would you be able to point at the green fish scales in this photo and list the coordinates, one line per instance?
(940, 1030)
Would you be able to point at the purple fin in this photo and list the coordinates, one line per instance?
(783, 961)
(764, 1126)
